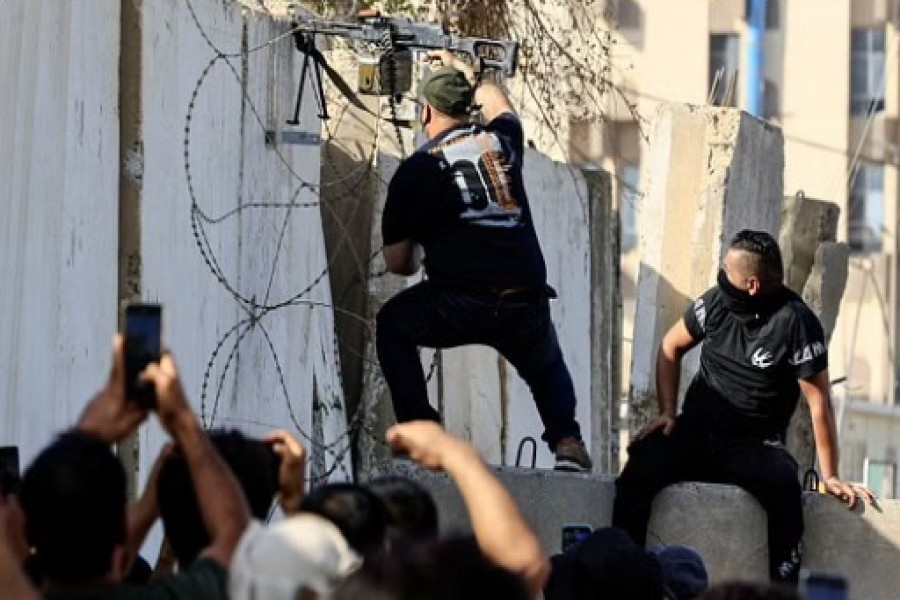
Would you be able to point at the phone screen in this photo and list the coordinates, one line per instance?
(820, 586)
(572, 535)
(9, 470)
(143, 345)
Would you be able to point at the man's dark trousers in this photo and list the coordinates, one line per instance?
(515, 324)
(762, 467)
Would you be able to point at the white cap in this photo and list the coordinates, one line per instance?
(303, 551)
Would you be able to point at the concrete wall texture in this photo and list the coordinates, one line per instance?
(58, 212)
(251, 320)
(237, 259)
(711, 172)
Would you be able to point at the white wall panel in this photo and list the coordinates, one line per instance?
(58, 212)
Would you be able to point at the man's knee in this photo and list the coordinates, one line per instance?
(653, 463)
(388, 320)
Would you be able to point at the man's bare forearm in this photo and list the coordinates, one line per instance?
(668, 376)
(499, 527)
(825, 434)
(14, 584)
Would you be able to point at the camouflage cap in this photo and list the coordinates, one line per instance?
(448, 91)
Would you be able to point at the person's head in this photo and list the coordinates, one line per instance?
(74, 498)
(412, 511)
(304, 557)
(446, 97)
(752, 263)
(255, 468)
(608, 564)
(358, 513)
(447, 569)
(683, 571)
(750, 591)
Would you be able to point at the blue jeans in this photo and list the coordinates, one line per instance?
(517, 325)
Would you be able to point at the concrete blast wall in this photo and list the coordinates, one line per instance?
(232, 242)
(105, 102)
(59, 210)
(711, 172)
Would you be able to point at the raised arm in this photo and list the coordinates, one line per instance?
(13, 581)
(501, 531)
(222, 503)
(291, 470)
(145, 511)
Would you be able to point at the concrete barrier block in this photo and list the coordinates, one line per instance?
(548, 499)
(723, 523)
(863, 545)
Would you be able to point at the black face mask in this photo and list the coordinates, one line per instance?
(741, 303)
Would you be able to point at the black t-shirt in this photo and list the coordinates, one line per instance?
(462, 197)
(749, 365)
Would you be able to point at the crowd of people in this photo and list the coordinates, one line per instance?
(70, 533)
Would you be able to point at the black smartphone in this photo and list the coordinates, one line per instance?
(10, 474)
(823, 586)
(574, 534)
(143, 345)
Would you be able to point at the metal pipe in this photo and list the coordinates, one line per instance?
(756, 57)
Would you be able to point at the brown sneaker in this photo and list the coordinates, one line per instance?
(572, 456)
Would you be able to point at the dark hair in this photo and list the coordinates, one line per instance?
(739, 590)
(74, 499)
(607, 564)
(254, 465)
(447, 569)
(358, 513)
(765, 254)
(412, 511)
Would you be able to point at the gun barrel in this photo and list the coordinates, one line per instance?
(493, 54)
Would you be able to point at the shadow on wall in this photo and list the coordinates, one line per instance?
(348, 190)
(658, 306)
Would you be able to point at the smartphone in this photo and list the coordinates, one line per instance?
(143, 345)
(823, 586)
(573, 534)
(10, 474)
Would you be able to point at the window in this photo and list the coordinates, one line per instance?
(629, 199)
(866, 70)
(866, 208)
(724, 57)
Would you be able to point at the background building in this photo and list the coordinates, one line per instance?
(827, 74)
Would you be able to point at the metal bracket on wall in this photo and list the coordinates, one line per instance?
(293, 138)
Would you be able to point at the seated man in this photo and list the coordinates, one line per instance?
(762, 347)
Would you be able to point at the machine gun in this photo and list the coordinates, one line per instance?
(384, 47)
